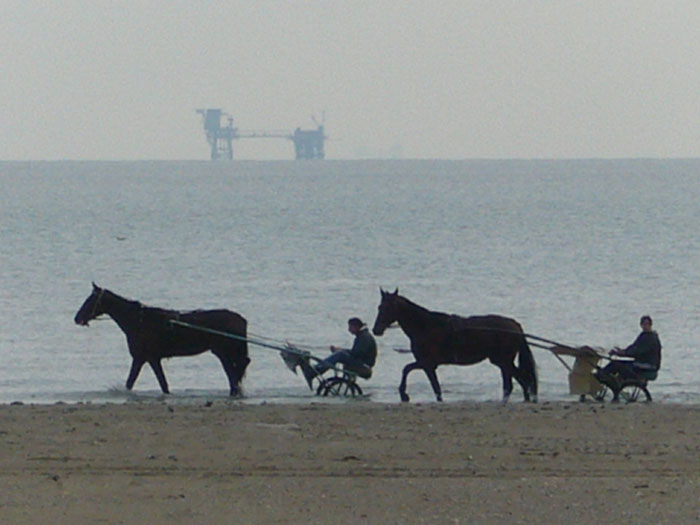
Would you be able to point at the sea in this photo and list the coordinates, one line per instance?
(575, 250)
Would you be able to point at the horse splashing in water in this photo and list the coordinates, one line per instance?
(442, 339)
(151, 336)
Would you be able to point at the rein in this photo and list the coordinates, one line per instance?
(287, 348)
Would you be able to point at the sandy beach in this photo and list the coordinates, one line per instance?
(355, 462)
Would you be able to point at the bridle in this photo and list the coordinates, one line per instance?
(392, 324)
(97, 303)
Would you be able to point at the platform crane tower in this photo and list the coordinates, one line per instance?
(220, 138)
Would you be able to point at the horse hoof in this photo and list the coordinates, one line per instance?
(405, 398)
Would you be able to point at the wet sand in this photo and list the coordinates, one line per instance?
(353, 462)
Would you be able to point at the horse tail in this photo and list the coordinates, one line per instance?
(526, 363)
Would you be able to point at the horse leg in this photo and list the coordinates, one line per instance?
(507, 375)
(231, 372)
(523, 380)
(402, 387)
(241, 366)
(158, 371)
(136, 365)
(432, 377)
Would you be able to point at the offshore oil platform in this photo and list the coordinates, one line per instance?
(220, 133)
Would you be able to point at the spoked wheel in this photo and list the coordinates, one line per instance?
(338, 386)
(632, 391)
(601, 394)
(608, 384)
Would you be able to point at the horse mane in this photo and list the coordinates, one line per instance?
(138, 305)
(414, 305)
(155, 310)
(131, 302)
(425, 311)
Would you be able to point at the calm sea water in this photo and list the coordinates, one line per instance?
(576, 251)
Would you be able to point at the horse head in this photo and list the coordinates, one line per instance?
(91, 308)
(387, 311)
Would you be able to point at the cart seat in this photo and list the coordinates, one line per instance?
(365, 372)
(649, 375)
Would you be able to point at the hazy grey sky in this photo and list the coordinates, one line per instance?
(417, 79)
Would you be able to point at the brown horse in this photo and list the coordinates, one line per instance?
(441, 339)
(151, 336)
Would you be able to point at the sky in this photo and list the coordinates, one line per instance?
(110, 80)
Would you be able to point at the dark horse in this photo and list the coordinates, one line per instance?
(441, 339)
(151, 336)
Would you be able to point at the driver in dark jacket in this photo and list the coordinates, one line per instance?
(646, 351)
(359, 359)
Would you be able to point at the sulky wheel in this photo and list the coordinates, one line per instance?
(601, 394)
(339, 386)
(632, 391)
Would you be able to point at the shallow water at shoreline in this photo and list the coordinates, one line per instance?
(575, 250)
